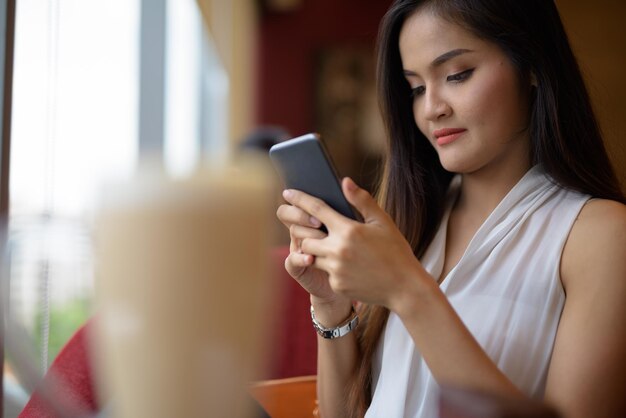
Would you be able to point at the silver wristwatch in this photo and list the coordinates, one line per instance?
(339, 331)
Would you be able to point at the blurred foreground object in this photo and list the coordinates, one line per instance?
(184, 290)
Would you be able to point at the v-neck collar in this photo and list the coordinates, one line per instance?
(499, 222)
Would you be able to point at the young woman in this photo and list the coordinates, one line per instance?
(499, 261)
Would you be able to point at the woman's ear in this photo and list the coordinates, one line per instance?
(533, 79)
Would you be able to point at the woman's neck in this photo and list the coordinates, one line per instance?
(483, 190)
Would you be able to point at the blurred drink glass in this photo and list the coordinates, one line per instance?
(184, 290)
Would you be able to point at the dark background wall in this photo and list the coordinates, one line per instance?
(598, 35)
(288, 44)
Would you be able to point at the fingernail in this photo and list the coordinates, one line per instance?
(314, 221)
(287, 193)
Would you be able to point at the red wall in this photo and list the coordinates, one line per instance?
(287, 46)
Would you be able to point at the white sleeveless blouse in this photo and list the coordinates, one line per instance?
(506, 288)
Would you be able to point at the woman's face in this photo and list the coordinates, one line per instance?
(467, 98)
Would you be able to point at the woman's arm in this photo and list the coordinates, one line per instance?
(336, 360)
(453, 355)
(587, 375)
(337, 357)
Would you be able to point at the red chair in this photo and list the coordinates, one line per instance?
(68, 385)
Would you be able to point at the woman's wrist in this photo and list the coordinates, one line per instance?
(339, 331)
(331, 312)
(418, 291)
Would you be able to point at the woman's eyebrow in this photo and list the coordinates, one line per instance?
(441, 59)
(448, 56)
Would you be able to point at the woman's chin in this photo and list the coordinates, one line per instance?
(455, 165)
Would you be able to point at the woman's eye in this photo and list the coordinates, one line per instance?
(459, 77)
(417, 91)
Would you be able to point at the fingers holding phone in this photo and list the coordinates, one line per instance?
(298, 264)
(311, 180)
(300, 225)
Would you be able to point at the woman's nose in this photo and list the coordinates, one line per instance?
(435, 106)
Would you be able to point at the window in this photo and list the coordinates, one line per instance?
(75, 126)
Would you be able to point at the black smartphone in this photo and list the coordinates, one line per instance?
(304, 164)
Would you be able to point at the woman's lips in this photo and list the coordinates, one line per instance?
(448, 135)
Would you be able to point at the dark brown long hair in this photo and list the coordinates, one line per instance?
(564, 134)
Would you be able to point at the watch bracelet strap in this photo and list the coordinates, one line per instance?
(339, 331)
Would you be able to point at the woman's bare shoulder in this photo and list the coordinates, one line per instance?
(597, 240)
(600, 220)
(603, 210)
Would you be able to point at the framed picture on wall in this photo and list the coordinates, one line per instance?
(346, 111)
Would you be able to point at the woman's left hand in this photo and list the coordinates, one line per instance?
(371, 261)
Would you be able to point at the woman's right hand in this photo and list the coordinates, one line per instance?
(299, 265)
